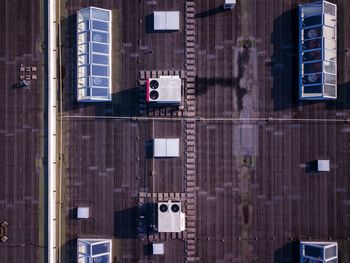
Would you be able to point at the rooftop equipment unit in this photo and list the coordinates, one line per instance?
(164, 90)
(166, 147)
(170, 217)
(166, 20)
(83, 212)
(318, 51)
(323, 166)
(319, 252)
(229, 4)
(158, 249)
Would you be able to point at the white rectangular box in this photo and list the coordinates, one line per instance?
(323, 165)
(83, 212)
(159, 148)
(163, 147)
(170, 217)
(166, 20)
(164, 90)
(172, 147)
(158, 248)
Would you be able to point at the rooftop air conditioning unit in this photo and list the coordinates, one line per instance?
(170, 217)
(164, 90)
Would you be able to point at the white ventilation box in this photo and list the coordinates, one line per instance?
(170, 217)
(166, 20)
(158, 248)
(166, 147)
(164, 90)
(229, 4)
(323, 166)
(83, 212)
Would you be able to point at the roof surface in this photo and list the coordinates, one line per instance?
(250, 145)
(21, 130)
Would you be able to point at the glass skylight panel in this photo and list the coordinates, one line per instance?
(83, 82)
(317, 50)
(83, 26)
(100, 248)
(312, 9)
(101, 37)
(100, 14)
(99, 25)
(324, 252)
(84, 14)
(100, 48)
(100, 59)
(100, 82)
(99, 92)
(94, 250)
(84, 48)
(100, 70)
(94, 54)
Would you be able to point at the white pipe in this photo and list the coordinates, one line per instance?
(52, 87)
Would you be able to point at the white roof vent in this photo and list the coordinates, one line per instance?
(158, 248)
(229, 4)
(164, 90)
(170, 217)
(166, 147)
(83, 212)
(166, 20)
(323, 166)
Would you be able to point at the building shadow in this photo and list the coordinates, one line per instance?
(149, 23)
(72, 214)
(289, 253)
(69, 251)
(284, 61)
(311, 166)
(149, 149)
(147, 250)
(125, 223)
(135, 222)
(69, 63)
(211, 12)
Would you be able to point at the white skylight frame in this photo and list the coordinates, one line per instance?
(88, 256)
(94, 59)
(318, 54)
(321, 246)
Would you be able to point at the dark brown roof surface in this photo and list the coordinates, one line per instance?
(21, 130)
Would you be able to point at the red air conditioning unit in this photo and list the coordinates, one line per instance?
(164, 90)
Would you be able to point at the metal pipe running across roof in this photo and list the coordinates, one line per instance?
(51, 81)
